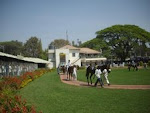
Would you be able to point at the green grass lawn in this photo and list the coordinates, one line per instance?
(123, 76)
(50, 95)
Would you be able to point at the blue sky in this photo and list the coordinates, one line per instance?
(49, 19)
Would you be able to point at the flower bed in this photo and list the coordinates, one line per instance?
(12, 103)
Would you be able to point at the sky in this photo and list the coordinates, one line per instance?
(50, 19)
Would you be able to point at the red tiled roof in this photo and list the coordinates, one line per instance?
(88, 51)
(82, 50)
(69, 47)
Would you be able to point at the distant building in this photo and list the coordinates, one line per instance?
(11, 65)
(77, 56)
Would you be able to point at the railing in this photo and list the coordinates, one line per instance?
(75, 61)
(90, 56)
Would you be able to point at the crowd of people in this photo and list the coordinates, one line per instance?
(98, 71)
(71, 72)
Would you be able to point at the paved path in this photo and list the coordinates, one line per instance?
(84, 84)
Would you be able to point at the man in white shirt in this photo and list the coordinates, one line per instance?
(106, 75)
(98, 75)
(75, 72)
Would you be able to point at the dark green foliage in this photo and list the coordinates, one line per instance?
(98, 44)
(148, 63)
(12, 47)
(58, 43)
(45, 54)
(125, 40)
(33, 48)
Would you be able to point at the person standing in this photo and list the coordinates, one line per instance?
(88, 71)
(98, 75)
(106, 76)
(75, 72)
(58, 70)
(145, 65)
(68, 65)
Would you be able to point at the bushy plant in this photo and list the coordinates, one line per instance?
(141, 63)
(15, 104)
(148, 63)
(9, 101)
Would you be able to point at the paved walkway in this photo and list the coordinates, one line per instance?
(84, 84)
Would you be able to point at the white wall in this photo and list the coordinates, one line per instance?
(51, 65)
(57, 56)
(71, 58)
(78, 63)
(51, 57)
(68, 56)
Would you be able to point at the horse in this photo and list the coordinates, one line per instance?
(63, 68)
(70, 72)
(134, 65)
(90, 71)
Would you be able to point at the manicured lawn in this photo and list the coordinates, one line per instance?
(123, 76)
(49, 95)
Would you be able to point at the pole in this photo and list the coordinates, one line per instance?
(66, 35)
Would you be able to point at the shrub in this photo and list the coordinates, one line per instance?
(9, 101)
(141, 63)
(148, 63)
(25, 82)
(15, 105)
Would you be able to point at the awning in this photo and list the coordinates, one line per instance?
(26, 59)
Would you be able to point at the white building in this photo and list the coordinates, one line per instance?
(77, 56)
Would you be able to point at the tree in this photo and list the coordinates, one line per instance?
(125, 40)
(12, 47)
(33, 48)
(73, 43)
(58, 43)
(45, 54)
(98, 44)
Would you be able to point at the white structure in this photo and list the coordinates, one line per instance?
(77, 56)
(17, 65)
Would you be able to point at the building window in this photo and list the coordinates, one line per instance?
(73, 54)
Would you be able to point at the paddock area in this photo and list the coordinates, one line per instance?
(50, 95)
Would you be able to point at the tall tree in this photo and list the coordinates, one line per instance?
(40, 49)
(125, 39)
(73, 43)
(12, 47)
(98, 44)
(33, 47)
(58, 43)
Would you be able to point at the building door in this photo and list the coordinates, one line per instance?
(62, 57)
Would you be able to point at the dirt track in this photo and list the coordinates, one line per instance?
(84, 84)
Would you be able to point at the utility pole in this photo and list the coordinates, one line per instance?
(66, 35)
